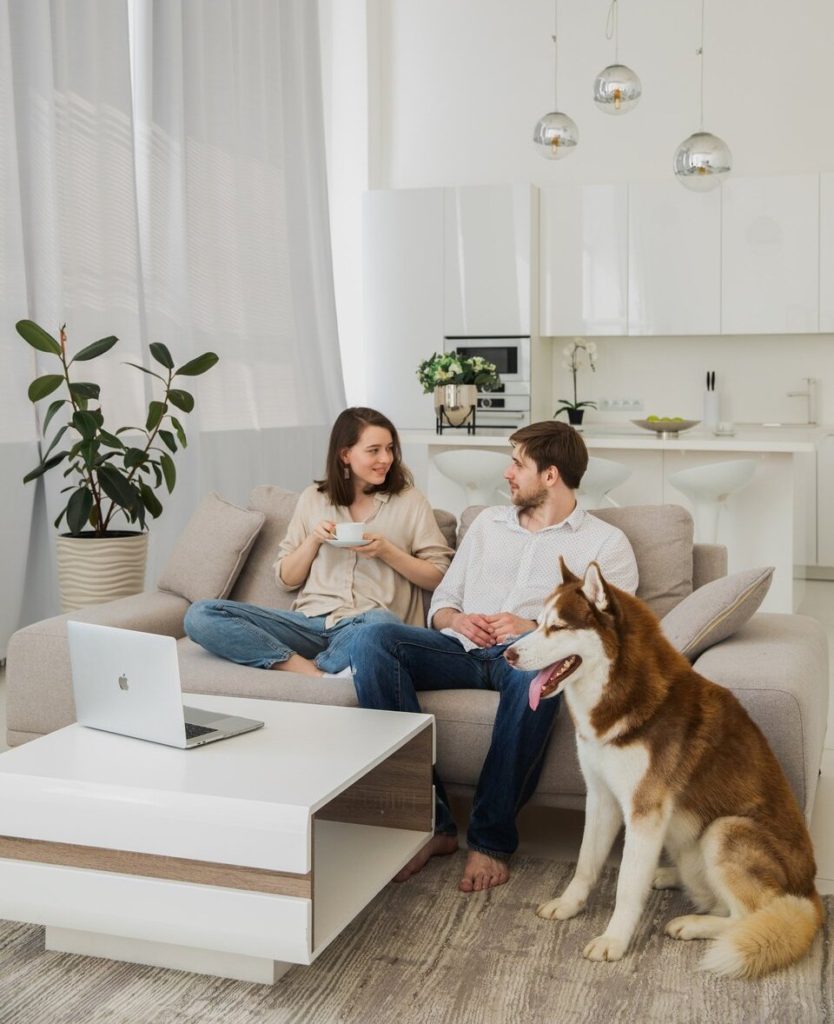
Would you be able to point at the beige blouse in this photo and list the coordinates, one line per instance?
(340, 583)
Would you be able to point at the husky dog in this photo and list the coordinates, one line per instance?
(677, 759)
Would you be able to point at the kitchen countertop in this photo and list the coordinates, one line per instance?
(791, 438)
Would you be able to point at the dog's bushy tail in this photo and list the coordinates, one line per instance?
(774, 936)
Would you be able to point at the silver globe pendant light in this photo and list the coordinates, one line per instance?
(703, 160)
(555, 135)
(617, 89)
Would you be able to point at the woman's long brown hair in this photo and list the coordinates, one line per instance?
(345, 434)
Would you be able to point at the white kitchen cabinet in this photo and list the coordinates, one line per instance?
(584, 260)
(488, 249)
(827, 253)
(825, 502)
(403, 286)
(770, 255)
(674, 260)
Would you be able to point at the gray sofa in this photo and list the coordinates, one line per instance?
(776, 664)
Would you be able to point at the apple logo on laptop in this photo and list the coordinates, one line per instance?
(123, 685)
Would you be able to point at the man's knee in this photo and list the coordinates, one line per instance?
(381, 635)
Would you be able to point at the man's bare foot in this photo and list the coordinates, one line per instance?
(438, 846)
(483, 872)
(295, 663)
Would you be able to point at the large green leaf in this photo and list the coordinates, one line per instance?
(116, 487)
(156, 410)
(181, 399)
(162, 355)
(43, 386)
(83, 389)
(150, 373)
(135, 457)
(169, 439)
(55, 440)
(97, 348)
(50, 412)
(110, 440)
(37, 337)
(180, 432)
(150, 500)
(33, 474)
(78, 509)
(194, 367)
(169, 471)
(85, 423)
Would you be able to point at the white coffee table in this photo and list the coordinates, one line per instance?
(238, 859)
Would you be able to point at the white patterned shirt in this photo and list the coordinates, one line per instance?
(501, 566)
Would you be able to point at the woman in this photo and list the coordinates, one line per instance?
(339, 588)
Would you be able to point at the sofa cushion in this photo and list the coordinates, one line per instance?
(661, 536)
(211, 550)
(716, 610)
(256, 583)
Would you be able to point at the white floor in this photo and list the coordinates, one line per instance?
(546, 832)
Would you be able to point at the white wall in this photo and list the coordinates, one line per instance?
(454, 88)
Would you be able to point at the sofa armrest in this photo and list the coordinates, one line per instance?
(777, 666)
(38, 683)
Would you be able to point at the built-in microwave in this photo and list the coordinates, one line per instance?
(511, 354)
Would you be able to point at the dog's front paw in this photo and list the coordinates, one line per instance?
(666, 878)
(560, 909)
(604, 947)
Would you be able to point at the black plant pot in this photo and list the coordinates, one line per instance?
(575, 416)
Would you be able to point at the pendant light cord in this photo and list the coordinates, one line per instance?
(700, 52)
(612, 29)
(555, 54)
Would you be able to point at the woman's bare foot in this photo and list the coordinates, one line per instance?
(295, 663)
(438, 846)
(483, 872)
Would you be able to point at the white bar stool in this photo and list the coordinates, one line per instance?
(601, 476)
(480, 473)
(708, 488)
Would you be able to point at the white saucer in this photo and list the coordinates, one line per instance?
(348, 543)
(724, 433)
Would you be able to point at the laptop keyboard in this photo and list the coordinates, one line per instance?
(191, 731)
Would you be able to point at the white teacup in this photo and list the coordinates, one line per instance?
(350, 531)
(725, 427)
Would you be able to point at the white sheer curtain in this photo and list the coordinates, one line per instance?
(183, 203)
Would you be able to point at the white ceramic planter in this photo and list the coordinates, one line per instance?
(92, 570)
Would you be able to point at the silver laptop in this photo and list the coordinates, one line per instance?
(129, 683)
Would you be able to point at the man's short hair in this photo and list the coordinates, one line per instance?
(551, 443)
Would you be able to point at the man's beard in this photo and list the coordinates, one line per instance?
(526, 501)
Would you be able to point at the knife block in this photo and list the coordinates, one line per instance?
(711, 415)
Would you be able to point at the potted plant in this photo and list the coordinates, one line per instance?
(578, 352)
(455, 380)
(114, 475)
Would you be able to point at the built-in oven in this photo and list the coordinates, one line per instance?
(509, 404)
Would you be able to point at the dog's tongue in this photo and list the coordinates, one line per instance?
(537, 685)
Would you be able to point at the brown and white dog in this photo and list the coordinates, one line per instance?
(676, 758)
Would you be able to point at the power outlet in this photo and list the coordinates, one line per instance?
(620, 404)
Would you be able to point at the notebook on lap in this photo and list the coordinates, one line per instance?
(129, 683)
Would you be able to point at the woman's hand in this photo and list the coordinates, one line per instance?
(325, 530)
(377, 547)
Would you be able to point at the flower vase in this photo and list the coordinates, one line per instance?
(575, 416)
(457, 401)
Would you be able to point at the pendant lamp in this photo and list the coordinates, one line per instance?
(617, 89)
(555, 134)
(702, 160)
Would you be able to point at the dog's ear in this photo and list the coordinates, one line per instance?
(567, 575)
(595, 588)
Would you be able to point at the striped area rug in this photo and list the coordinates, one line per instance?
(422, 953)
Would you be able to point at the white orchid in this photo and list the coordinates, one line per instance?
(577, 353)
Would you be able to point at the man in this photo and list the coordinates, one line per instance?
(496, 586)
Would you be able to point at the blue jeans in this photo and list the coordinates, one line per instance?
(263, 637)
(393, 661)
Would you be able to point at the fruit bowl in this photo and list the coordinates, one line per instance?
(666, 429)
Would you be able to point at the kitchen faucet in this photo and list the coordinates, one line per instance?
(810, 393)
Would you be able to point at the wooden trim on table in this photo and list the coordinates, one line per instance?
(151, 865)
(397, 793)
